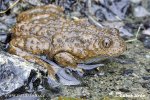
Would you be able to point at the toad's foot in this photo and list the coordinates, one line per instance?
(63, 74)
(67, 79)
(89, 67)
(71, 80)
(80, 67)
(30, 56)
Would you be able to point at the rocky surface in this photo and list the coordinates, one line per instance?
(18, 76)
(14, 72)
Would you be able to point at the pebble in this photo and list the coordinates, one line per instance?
(140, 12)
(34, 2)
(101, 74)
(147, 56)
(124, 32)
(127, 72)
(3, 37)
(146, 32)
(135, 1)
(146, 85)
(99, 15)
(146, 77)
(119, 8)
(3, 26)
(124, 90)
(147, 43)
(146, 40)
(3, 5)
(46, 1)
(9, 20)
(148, 70)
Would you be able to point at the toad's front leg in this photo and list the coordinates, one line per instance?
(66, 59)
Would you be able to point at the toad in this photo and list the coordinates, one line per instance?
(45, 31)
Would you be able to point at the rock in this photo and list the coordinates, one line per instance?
(46, 1)
(147, 56)
(136, 1)
(147, 43)
(146, 85)
(146, 32)
(140, 12)
(8, 20)
(145, 4)
(146, 40)
(124, 31)
(35, 2)
(15, 72)
(99, 15)
(146, 77)
(6, 23)
(116, 8)
(124, 90)
(4, 37)
(127, 72)
(3, 26)
(68, 5)
(148, 70)
(3, 5)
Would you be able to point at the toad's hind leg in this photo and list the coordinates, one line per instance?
(52, 68)
(34, 59)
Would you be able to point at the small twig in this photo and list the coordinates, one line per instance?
(136, 35)
(94, 21)
(117, 17)
(2, 12)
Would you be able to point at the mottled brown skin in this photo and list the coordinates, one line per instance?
(45, 31)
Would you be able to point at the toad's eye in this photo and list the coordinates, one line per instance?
(106, 42)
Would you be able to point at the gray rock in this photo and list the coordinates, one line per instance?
(3, 26)
(14, 72)
(35, 2)
(140, 12)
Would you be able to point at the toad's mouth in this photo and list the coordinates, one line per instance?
(98, 59)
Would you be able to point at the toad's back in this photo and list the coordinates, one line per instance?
(47, 21)
(59, 31)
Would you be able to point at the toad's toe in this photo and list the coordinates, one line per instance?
(67, 79)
